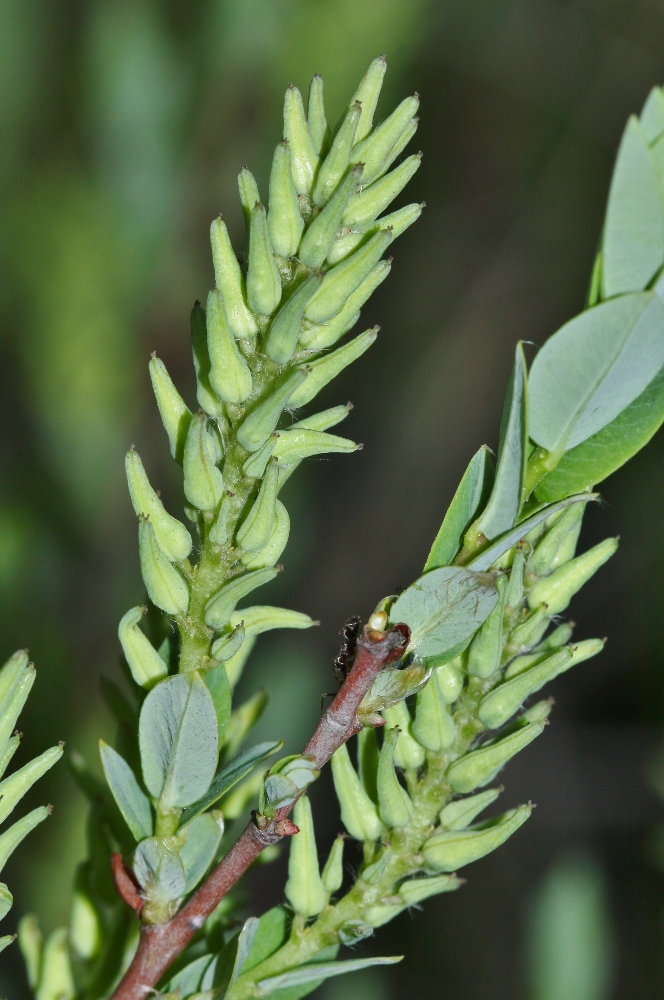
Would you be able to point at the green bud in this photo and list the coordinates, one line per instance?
(479, 767)
(229, 644)
(537, 713)
(325, 419)
(12, 746)
(325, 369)
(160, 873)
(172, 537)
(461, 813)
(394, 805)
(486, 648)
(322, 232)
(16, 679)
(319, 337)
(398, 222)
(358, 812)
(558, 589)
(6, 900)
(450, 680)
(263, 281)
(367, 94)
(284, 222)
(263, 618)
(450, 850)
(339, 283)
(433, 726)
(30, 942)
(259, 424)
(13, 788)
(304, 889)
(219, 530)
(205, 395)
(416, 890)
(333, 872)
(229, 373)
(249, 194)
(56, 981)
(203, 484)
(390, 687)
(230, 283)
(528, 633)
(304, 159)
(222, 605)
(85, 927)
(258, 525)
(514, 592)
(373, 199)
(400, 144)
(316, 119)
(300, 442)
(174, 412)
(374, 151)
(285, 329)
(367, 760)
(336, 162)
(269, 555)
(165, 586)
(256, 464)
(408, 752)
(559, 637)
(284, 782)
(16, 833)
(558, 544)
(521, 663)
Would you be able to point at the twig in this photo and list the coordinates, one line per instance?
(160, 944)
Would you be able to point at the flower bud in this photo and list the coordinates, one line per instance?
(259, 424)
(368, 204)
(408, 752)
(461, 813)
(450, 680)
(56, 981)
(538, 712)
(16, 833)
(5, 758)
(172, 537)
(333, 872)
(30, 942)
(229, 644)
(325, 419)
(284, 782)
(285, 330)
(318, 337)
(376, 148)
(367, 760)
(304, 159)
(558, 589)
(249, 194)
(258, 525)
(263, 281)
(13, 788)
(304, 889)
(367, 94)
(448, 851)
(400, 144)
(269, 555)
(559, 543)
(398, 222)
(263, 618)
(205, 395)
(325, 369)
(339, 283)
(230, 283)
(219, 530)
(358, 812)
(300, 442)
(165, 586)
(481, 766)
(416, 890)
(486, 648)
(222, 605)
(203, 484)
(336, 162)
(16, 679)
(174, 412)
(322, 232)
(318, 127)
(284, 222)
(394, 805)
(528, 633)
(433, 726)
(514, 591)
(229, 373)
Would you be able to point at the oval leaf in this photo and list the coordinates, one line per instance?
(203, 839)
(229, 776)
(469, 499)
(131, 799)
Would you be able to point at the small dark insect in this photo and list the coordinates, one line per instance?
(344, 661)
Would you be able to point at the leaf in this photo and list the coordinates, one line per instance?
(444, 609)
(271, 933)
(505, 500)
(131, 799)
(633, 243)
(391, 687)
(318, 973)
(188, 979)
(488, 557)
(229, 776)
(652, 116)
(178, 740)
(592, 461)
(593, 368)
(203, 839)
(159, 870)
(244, 943)
(216, 681)
(469, 499)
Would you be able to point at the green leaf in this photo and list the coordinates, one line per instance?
(505, 500)
(12, 837)
(593, 368)
(318, 973)
(468, 501)
(229, 776)
(203, 839)
(131, 799)
(652, 116)
(444, 609)
(488, 557)
(633, 244)
(216, 681)
(591, 462)
(178, 740)
(188, 979)
(271, 933)
(159, 870)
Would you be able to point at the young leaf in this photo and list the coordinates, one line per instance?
(203, 839)
(229, 776)
(159, 871)
(178, 740)
(271, 933)
(317, 973)
(444, 609)
(469, 499)
(593, 368)
(132, 801)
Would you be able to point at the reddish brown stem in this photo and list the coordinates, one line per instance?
(160, 945)
(125, 884)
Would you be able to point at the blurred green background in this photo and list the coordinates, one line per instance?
(123, 124)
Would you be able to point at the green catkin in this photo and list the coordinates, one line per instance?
(205, 395)
(286, 326)
(230, 376)
(263, 281)
(258, 525)
(203, 483)
(336, 162)
(304, 159)
(257, 427)
(284, 221)
(165, 587)
(433, 727)
(230, 283)
(394, 805)
(173, 538)
(316, 119)
(304, 889)
(339, 283)
(373, 199)
(358, 813)
(367, 94)
(174, 412)
(322, 232)
(325, 369)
